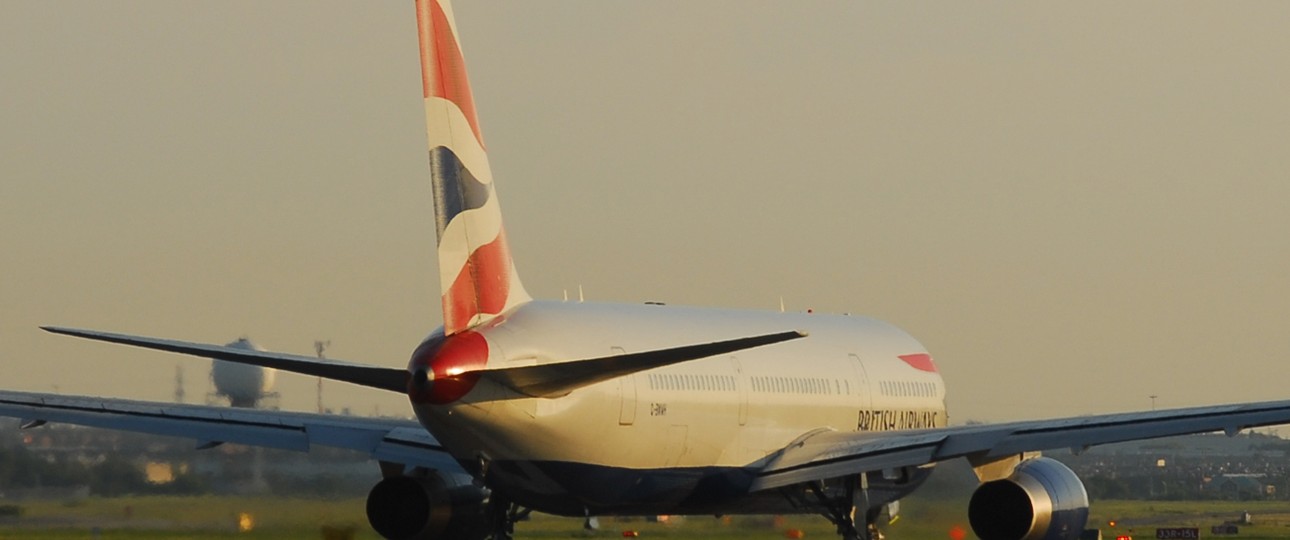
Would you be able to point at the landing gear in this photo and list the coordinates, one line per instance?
(502, 515)
(851, 512)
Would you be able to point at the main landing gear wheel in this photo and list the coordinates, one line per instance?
(502, 515)
(863, 528)
(851, 513)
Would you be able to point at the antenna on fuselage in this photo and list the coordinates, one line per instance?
(581, 298)
(178, 384)
(320, 349)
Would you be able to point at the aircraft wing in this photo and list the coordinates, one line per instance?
(384, 439)
(832, 454)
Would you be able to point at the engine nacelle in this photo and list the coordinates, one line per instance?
(427, 507)
(1042, 500)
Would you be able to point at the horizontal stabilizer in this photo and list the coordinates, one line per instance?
(558, 379)
(392, 379)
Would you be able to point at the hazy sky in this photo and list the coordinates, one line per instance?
(1074, 206)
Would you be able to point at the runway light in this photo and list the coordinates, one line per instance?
(1124, 537)
(245, 522)
(631, 534)
(957, 533)
(794, 534)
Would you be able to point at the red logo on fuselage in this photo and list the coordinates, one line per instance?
(920, 361)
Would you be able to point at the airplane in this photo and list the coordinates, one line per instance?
(588, 409)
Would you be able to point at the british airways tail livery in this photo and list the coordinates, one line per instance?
(582, 409)
(476, 273)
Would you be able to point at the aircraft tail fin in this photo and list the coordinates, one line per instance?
(476, 274)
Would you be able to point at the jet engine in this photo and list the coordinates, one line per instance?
(427, 507)
(1042, 500)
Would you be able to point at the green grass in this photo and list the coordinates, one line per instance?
(200, 518)
(185, 517)
(1141, 518)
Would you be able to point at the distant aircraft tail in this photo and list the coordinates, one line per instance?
(476, 274)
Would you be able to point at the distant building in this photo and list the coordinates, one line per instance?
(1239, 487)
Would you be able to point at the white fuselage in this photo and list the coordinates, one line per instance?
(693, 420)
